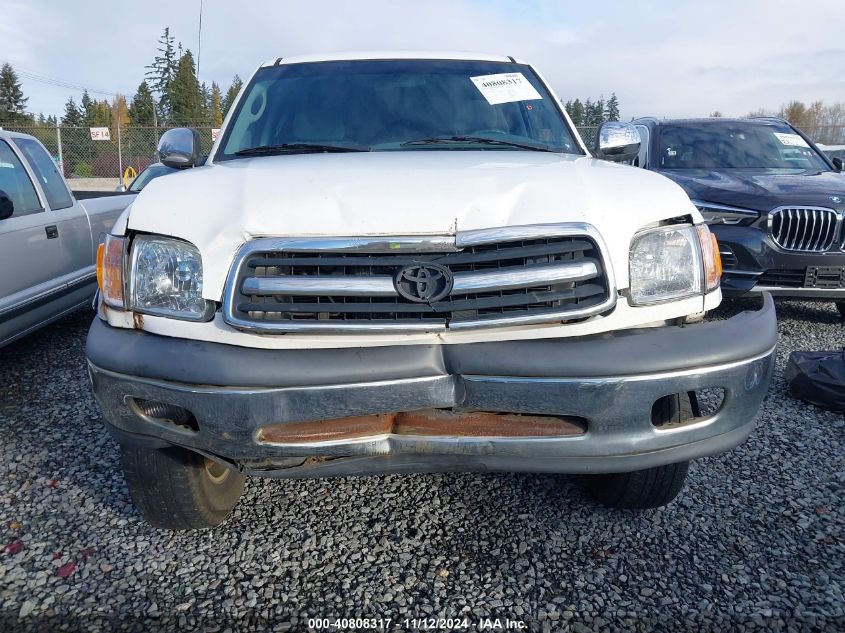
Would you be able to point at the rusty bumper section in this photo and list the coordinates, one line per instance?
(425, 423)
(543, 417)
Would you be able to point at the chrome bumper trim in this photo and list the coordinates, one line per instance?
(810, 293)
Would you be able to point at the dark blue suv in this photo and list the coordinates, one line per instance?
(774, 201)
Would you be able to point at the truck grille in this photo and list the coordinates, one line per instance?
(351, 284)
(808, 229)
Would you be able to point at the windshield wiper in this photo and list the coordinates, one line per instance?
(481, 140)
(292, 148)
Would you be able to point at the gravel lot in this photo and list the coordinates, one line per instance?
(756, 541)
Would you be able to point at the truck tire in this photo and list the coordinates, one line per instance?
(840, 305)
(652, 487)
(177, 489)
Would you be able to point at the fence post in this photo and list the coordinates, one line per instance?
(119, 152)
(59, 143)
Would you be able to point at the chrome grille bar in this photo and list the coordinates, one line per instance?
(349, 286)
(313, 286)
(806, 229)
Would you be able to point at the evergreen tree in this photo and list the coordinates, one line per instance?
(88, 108)
(72, 116)
(185, 95)
(162, 71)
(101, 114)
(142, 110)
(231, 94)
(577, 113)
(595, 113)
(205, 93)
(12, 101)
(215, 109)
(611, 108)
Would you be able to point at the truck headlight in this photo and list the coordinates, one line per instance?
(723, 214)
(166, 279)
(666, 264)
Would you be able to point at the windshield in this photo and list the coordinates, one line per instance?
(735, 145)
(399, 105)
(150, 173)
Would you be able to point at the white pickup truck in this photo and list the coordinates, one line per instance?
(411, 262)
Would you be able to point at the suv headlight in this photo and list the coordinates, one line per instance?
(673, 262)
(166, 279)
(723, 214)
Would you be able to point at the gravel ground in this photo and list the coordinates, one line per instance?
(756, 540)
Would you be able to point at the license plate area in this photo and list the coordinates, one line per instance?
(825, 277)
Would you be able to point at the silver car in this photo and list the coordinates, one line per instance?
(48, 239)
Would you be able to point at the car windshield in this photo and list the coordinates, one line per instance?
(735, 145)
(395, 105)
(150, 173)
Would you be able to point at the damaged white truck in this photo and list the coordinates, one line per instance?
(412, 263)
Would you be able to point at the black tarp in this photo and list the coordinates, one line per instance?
(818, 378)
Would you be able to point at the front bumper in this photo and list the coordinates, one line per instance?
(754, 264)
(609, 381)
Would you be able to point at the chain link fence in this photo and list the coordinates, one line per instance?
(103, 164)
(119, 158)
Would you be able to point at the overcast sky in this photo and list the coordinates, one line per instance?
(661, 58)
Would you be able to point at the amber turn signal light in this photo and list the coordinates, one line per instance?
(711, 257)
(110, 266)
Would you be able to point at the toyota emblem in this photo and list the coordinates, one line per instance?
(423, 282)
(835, 199)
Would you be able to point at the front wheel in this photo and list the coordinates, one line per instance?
(641, 489)
(177, 489)
(652, 487)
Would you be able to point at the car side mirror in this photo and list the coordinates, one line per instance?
(838, 164)
(120, 189)
(7, 207)
(617, 142)
(179, 148)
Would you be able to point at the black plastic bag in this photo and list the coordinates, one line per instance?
(818, 378)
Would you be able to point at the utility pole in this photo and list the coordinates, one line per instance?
(199, 43)
(59, 142)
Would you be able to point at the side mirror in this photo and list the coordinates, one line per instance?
(838, 164)
(7, 207)
(179, 148)
(617, 142)
(120, 189)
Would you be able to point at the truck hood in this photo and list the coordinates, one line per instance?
(762, 189)
(220, 206)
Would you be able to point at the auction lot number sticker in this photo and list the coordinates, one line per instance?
(416, 624)
(505, 88)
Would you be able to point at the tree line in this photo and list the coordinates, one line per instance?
(589, 113)
(169, 95)
(823, 123)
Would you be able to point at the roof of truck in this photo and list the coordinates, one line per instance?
(361, 55)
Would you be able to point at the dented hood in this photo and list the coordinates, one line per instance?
(220, 206)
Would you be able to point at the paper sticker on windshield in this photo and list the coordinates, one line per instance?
(793, 140)
(505, 88)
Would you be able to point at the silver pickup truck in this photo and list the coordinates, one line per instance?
(48, 239)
